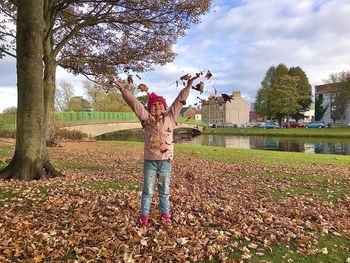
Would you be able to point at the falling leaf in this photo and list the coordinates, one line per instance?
(185, 77)
(130, 80)
(208, 75)
(143, 87)
(227, 97)
(199, 87)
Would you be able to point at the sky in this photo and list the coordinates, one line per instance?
(238, 41)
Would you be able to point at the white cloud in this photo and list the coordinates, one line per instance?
(8, 97)
(239, 40)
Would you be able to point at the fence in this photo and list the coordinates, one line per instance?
(8, 121)
(83, 117)
(7, 124)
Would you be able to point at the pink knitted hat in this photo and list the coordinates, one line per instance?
(155, 98)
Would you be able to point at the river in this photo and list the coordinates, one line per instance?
(289, 144)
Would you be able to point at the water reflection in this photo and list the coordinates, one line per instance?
(290, 144)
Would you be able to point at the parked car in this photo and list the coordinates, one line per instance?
(292, 124)
(255, 125)
(315, 124)
(271, 125)
(230, 125)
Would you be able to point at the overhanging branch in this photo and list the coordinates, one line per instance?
(2, 50)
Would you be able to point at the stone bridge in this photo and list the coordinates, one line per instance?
(99, 128)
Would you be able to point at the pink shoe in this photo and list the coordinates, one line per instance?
(166, 219)
(144, 221)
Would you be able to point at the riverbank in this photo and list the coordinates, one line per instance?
(226, 203)
(291, 132)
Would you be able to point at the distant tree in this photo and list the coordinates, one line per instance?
(78, 104)
(64, 92)
(263, 98)
(304, 90)
(341, 96)
(286, 96)
(276, 85)
(279, 83)
(10, 110)
(102, 101)
(143, 99)
(320, 110)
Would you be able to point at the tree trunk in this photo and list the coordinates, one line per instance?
(49, 95)
(30, 160)
(50, 66)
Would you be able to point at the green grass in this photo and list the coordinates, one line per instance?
(301, 132)
(330, 193)
(248, 156)
(7, 196)
(123, 143)
(261, 157)
(44, 192)
(337, 247)
(6, 150)
(15, 196)
(319, 186)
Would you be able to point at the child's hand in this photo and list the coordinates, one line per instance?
(119, 85)
(190, 81)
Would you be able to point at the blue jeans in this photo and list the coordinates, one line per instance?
(151, 171)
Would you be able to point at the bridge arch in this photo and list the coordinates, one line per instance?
(96, 129)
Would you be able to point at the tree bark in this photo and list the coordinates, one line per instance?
(50, 66)
(49, 94)
(30, 160)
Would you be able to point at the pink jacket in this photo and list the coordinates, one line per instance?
(159, 144)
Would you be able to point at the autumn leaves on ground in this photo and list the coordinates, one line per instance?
(222, 210)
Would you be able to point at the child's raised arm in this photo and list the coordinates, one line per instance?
(180, 101)
(132, 101)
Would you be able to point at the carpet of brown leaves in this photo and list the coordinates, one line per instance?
(213, 207)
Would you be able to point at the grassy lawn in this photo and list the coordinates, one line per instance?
(261, 157)
(102, 188)
(301, 132)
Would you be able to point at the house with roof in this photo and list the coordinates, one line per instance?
(220, 110)
(188, 112)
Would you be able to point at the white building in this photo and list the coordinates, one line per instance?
(217, 111)
(330, 92)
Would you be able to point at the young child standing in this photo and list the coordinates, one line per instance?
(158, 124)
